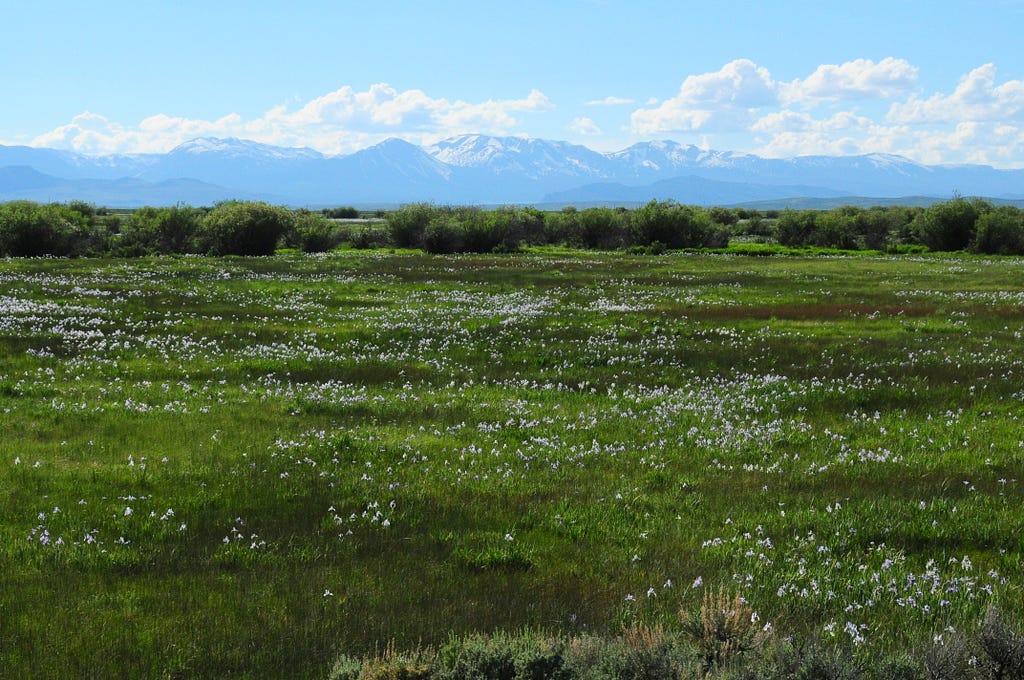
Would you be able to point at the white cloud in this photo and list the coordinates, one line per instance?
(795, 122)
(340, 121)
(490, 116)
(857, 79)
(610, 101)
(383, 108)
(738, 107)
(726, 99)
(790, 133)
(584, 126)
(790, 144)
(797, 134)
(981, 121)
(94, 134)
(88, 132)
(976, 98)
(985, 143)
(784, 121)
(738, 83)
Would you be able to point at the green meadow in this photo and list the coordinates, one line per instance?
(255, 467)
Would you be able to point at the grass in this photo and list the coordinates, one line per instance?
(248, 467)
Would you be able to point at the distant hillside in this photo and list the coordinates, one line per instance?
(478, 169)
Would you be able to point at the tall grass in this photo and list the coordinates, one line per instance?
(248, 466)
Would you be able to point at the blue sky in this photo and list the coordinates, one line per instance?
(939, 82)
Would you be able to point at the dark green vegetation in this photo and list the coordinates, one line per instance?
(259, 467)
(240, 228)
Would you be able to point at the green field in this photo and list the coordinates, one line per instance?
(247, 467)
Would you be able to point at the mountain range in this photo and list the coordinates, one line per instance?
(479, 169)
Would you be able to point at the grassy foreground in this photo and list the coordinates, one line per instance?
(254, 467)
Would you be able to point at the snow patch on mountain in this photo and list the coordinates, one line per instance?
(483, 169)
(535, 158)
(243, 148)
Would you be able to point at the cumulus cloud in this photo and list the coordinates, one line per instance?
(94, 134)
(584, 126)
(793, 121)
(340, 121)
(976, 98)
(383, 108)
(983, 143)
(835, 109)
(609, 101)
(733, 97)
(88, 132)
(997, 144)
(791, 133)
(981, 121)
(727, 98)
(857, 79)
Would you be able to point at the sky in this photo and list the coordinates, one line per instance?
(940, 82)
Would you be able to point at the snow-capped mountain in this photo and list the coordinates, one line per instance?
(478, 169)
(242, 148)
(532, 158)
(651, 159)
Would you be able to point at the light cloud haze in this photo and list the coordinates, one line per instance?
(606, 75)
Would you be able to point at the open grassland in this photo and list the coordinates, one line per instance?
(217, 467)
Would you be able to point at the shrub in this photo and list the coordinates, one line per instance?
(29, 229)
(485, 232)
(542, 659)
(160, 230)
(471, 230)
(1000, 232)
(602, 229)
(399, 669)
(724, 216)
(236, 228)
(595, 658)
(650, 655)
(341, 213)
(478, 658)
(878, 225)
(725, 627)
(443, 235)
(368, 237)
(950, 225)
(791, 661)
(345, 668)
(314, 233)
(561, 227)
(523, 656)
(408, 225)
(1003, 647)
(390, 665)
(795, 228)
(675, 225)
(725, 636)
(506, 228)
(836, 228)
(755, 225)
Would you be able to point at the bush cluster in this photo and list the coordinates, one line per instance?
(659, 224)
(719, 641)
(76, 229)
(29, 229)
(959, 224)
(251, 228)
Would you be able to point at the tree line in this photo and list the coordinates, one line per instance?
(231, 228)
(959, 224)
(78, 229)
